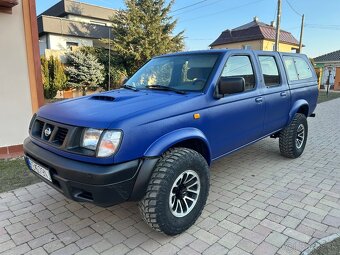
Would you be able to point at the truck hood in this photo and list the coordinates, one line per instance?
(101, 110)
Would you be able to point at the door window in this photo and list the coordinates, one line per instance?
(290, 68)
(240, 66)
(297, 68)
(269, 70)
(303, 69)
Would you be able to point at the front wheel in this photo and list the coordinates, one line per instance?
(294, 137)
(177, 191)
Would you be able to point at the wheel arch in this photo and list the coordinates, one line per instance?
(300, 106)
(191, 138)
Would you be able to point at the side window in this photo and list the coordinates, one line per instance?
(269, 70)
(240, 66)
(303, 69)
(290, 68)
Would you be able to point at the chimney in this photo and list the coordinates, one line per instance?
(256, 19)
(273, 24)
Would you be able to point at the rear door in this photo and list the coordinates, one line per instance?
(275, 92)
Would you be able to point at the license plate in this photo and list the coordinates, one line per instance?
(42, 171)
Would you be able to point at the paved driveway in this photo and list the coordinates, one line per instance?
(259, 203)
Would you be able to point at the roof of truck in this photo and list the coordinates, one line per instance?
(224, 51)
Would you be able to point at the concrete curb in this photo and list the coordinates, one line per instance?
(320, 242)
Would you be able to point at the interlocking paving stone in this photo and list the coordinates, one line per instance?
(230, 240)
(276, 239)
(53, 246)
(117, 249)
(297, 235)
(22, 237)
(188, 251)
(20, 249)
(69, 249)
(259, 203)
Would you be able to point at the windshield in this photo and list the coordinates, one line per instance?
(182, 72)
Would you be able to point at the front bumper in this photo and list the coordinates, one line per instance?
(103, 185)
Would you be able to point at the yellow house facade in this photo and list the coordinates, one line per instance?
(255, 35)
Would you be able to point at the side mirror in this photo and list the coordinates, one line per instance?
(124, 80)
(231, 85)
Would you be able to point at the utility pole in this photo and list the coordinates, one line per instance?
(301, 33)
(278, 21)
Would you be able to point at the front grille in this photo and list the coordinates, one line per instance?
(37, 128)
(49, 132)
(60, 136)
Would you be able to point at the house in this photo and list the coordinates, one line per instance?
(69, 23)
(330, 65)
(21, 90)
(255, 35)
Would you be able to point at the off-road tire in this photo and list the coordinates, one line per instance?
(155, 208)
(288, 136)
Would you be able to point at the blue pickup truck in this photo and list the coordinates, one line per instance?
(154, 139)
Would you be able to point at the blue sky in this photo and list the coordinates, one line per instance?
(206, 19)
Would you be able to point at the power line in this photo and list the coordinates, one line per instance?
(222, 11)
(188, 6)
(198, 39)
(323, 26)
(293, 9)
(186, 11)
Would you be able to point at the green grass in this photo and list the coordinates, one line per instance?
(323, 96)
(15, 174)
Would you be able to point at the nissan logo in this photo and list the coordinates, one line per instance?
(47, 132)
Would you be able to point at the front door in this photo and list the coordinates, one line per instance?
(236, 119)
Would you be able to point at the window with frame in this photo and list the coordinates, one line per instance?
(240, 66)
(69, 45)
(303, 69)
(270, 71)
(290, 68)
(297, 68)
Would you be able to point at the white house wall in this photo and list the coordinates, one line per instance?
(58, 42)
(15, 97)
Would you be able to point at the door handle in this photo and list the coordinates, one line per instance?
(283, 94)
(259, 100)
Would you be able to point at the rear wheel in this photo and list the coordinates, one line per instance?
(294, 137)
(177, 191)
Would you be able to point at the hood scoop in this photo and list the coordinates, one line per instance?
(102, 98)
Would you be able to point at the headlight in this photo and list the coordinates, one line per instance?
(105, 143)
(109, 143)
(91, 138)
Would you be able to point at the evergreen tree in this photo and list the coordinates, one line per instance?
(84, 71)
(143, 30)
(117, 71)
(45, 74)
(53, 76)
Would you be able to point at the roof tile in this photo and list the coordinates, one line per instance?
(254, 30)
(332, 56)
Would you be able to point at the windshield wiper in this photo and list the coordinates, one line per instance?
(126, 86)
(161, 87)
